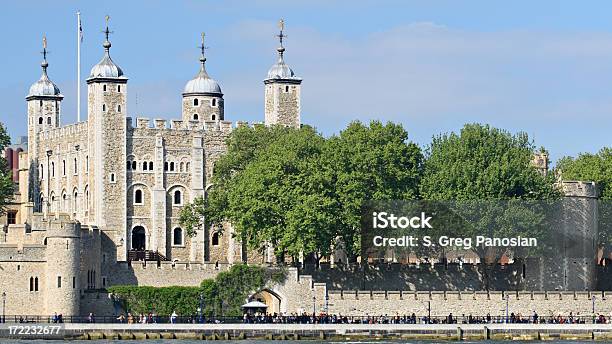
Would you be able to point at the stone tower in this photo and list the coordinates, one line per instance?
(62, 269)
(282, 91)
(44, 102)
(107, 105)
(202, 96)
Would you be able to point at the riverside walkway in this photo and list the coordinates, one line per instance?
(578, 332)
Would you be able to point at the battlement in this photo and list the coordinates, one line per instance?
(162, 124)
(165, 265)
(400, 295)
(573, 188)
(65, 131)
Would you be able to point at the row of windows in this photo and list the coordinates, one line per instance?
(177, 197)
(213, 102)
(168, 166)
(146, 165)
(75, 167)
(40, 120)
(118, 108)
(64, 203)
(196, 117)
(181, 167)
(118, 88)
(178, 238)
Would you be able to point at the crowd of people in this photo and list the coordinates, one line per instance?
(305, 318)
(323, 318)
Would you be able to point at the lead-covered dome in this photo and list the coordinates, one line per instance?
(106, 68)
(202, 83)
(280, 70)
(44, 87)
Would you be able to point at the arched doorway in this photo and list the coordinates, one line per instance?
(138, 238)
(270, 298)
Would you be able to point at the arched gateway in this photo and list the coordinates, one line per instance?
(270, 298)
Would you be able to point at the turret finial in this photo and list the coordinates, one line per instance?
(44, 63)
(107, 32)
(281, 35)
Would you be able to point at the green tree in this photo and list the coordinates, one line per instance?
(285, 196)
(487, 178)
(6, 182)
(374, 162)
(483, 163)
(590, 167)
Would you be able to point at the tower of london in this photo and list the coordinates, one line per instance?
(109, 189)
(98, 203)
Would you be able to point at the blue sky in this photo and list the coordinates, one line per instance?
(543, 67)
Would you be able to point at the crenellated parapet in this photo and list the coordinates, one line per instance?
(70, 130)
(579, 189)
(172, 125)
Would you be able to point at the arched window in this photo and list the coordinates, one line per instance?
(42, 172)
(76, 166)
(165, 166)
(104, 88)
(177, 237)
(118, 88)
(145, 166)
(134, 165)
(171, 166)
(178, 198)
(187, 167)
(195, 117)
(52, 169)
(40, 120)
(49, 120)
(118, 108)
(87, 164)
(63, 167)
(87, 197)
(36, 284)
(196, 102)
(31, 283)
(129, 165)
(213, 102)
(214, 117)
(65, 202)
(138, 196)
(75, 204)
(287, 89)
(215, 239)
(150, 165)
(40, 103)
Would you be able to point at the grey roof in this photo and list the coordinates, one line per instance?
(280, 70)
(106, 68)
(44, 86)
(202, 82)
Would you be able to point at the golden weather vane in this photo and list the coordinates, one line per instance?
(281, 24)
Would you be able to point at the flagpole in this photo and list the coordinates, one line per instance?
(78, 66)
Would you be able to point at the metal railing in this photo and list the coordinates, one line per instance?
(310, 319)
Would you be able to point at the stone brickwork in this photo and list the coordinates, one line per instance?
(366, 302)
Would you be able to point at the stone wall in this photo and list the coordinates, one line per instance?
(466, 303)
(164, 274)
(417, 277)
